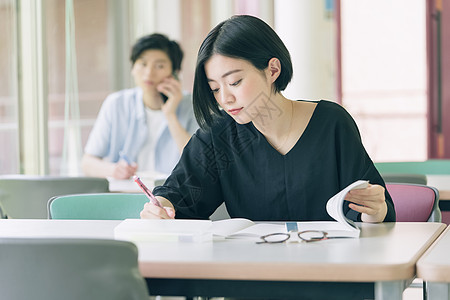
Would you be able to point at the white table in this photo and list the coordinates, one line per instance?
(129, 186)
(380, 264)
(434, 268)
(43, 228)
(442, 183)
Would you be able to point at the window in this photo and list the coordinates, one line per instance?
(9, 134)
(384, 82)
(95, 69)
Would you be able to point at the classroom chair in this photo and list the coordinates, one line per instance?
(99, 206)
(69, 269)
(415, 202)
(404, 178)
(26, 196)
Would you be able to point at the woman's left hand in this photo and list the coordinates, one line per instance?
(370, 202)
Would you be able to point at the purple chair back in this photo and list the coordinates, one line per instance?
(415, 202)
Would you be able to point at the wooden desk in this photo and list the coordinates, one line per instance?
(380, 264)
(434, 268)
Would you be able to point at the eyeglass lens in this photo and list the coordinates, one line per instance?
(275, 238)
(312, 235)
(307, 236)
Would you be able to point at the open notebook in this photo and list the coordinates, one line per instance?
(204, 230)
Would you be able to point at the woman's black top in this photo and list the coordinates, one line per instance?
(235, 164)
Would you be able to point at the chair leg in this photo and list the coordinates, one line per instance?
(424, 292)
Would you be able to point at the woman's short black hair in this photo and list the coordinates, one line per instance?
(157, 41)
(243, 37)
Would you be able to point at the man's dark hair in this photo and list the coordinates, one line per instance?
(157, 41)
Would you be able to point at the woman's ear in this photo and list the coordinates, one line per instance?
(274, 69)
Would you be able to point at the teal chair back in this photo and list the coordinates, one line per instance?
(101, 206)
(70, 269)
(431, 166)
(26, 196)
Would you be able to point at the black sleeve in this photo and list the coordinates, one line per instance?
(356, 162)
(194, 186)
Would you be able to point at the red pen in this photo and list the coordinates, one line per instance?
(147, 192)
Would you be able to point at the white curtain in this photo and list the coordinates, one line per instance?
(72, 149)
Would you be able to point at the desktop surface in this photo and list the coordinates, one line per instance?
(442, 183)
(434, 265)
(386, 251)
(382, 261)
(434, 268)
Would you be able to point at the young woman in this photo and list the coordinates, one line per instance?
(267, 157)
(147, 127)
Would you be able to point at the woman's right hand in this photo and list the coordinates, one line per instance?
(151, 211)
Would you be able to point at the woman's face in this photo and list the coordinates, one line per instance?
(150, 69)
(238, 87)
